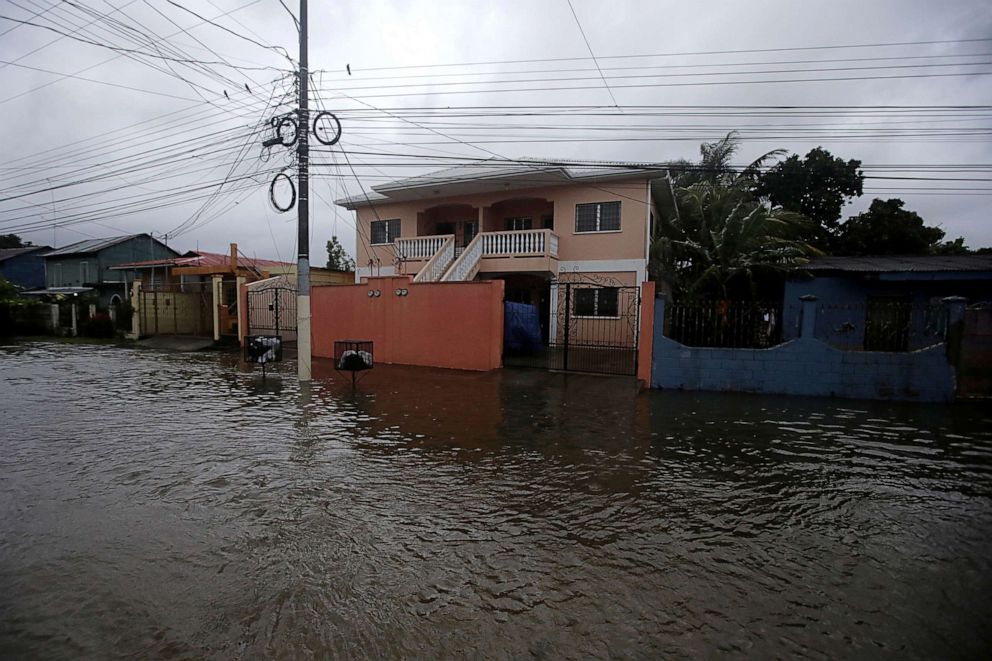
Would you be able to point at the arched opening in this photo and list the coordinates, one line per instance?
(461, 220)
(516, 214)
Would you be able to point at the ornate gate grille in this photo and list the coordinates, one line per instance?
(588, 325)
(272, 310)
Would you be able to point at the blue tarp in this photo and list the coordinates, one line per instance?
(521, 327)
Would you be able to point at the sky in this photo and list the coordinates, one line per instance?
(157, 123)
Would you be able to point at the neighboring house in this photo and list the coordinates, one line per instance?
(24, 267)
(185, 281)
(87, 266)
(887, 303)
(529, 225)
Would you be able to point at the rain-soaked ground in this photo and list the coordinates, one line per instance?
(163, 505)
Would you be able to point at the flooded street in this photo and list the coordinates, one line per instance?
(157, 505)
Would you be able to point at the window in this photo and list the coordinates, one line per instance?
(56, 275)
(84, 272)
(598, 302)
(385, 231)
(597, 217)
(517, 224)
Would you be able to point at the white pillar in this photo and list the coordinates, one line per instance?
(74, 333)
(216, 298)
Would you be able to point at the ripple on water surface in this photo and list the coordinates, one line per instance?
(163, 505)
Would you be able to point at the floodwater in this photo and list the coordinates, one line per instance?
(157, 505)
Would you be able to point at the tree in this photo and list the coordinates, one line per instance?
(817, 186)
(12, 241)
(337, 257)
(887, 229)
(722, 241)
(714, 163)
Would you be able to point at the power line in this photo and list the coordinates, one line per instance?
(591, 54)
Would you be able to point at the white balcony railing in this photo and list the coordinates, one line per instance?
(448, 264)
(519, 243)
(438, 264)
(467, 264)
(420, 247)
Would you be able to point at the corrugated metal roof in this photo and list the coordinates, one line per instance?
(535, 172)
(201, 258)
(902, 264)
(89, 246)
(7, 253)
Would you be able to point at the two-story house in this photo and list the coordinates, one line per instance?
(86, 266)
(526, 224)
(570, 241)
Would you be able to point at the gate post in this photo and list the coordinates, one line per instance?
(275, 294)
(568, 324)
(215, 282)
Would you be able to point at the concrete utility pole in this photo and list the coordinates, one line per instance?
(303, 211)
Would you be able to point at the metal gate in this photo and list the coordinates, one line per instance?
(176, 309)
(591, 325)
(272, 310)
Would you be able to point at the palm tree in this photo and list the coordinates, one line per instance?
(721, 241)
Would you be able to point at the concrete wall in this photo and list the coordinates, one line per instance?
(804, 366)
(455, 325)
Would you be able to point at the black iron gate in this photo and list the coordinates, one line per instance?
(272, 310)
(591, 325)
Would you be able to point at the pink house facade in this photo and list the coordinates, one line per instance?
(525, 224)
(569, 241)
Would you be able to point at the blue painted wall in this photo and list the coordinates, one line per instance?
(843, 299)
(26, 270)
(803, 366)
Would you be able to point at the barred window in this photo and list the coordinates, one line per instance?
(597, 302)
(597, 217)
(385, 231)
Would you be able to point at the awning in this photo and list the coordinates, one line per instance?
(58, 291)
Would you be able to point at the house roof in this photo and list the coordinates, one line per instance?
(10, 253)
(195, 258)
(89, 246)
(901, 264)
(499, 174)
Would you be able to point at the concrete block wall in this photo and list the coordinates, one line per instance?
(804, 366)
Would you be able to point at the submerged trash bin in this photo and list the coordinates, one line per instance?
(352, 356)
(263, 349)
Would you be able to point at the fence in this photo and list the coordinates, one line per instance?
(722, 323)
(881, 325)
(176, 309)
(806, 365)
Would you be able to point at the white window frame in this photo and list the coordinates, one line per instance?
(84, 272)
(599, 217)
(390, 238)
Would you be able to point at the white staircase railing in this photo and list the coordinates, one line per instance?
(519, 243)
(420, 247)
(438, 264)
(467, 265)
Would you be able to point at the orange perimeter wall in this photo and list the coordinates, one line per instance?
(456, 325)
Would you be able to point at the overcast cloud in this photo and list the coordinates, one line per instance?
(41, 127)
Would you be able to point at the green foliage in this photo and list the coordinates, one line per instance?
(12, 241)
(9, 292)
(337, 257)
(714, 163)
(955, 247)
(888, 229)
(817, 186)
(722, 241)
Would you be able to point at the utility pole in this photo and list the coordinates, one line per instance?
(303, 210)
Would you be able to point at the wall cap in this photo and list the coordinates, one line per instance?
(807, 297)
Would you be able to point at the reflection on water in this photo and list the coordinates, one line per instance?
(173, 506)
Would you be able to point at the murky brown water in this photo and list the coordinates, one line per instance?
(159, 505)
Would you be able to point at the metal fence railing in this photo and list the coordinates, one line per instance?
(724, 323)
(881, 325)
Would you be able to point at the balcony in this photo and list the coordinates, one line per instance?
(435, 258)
